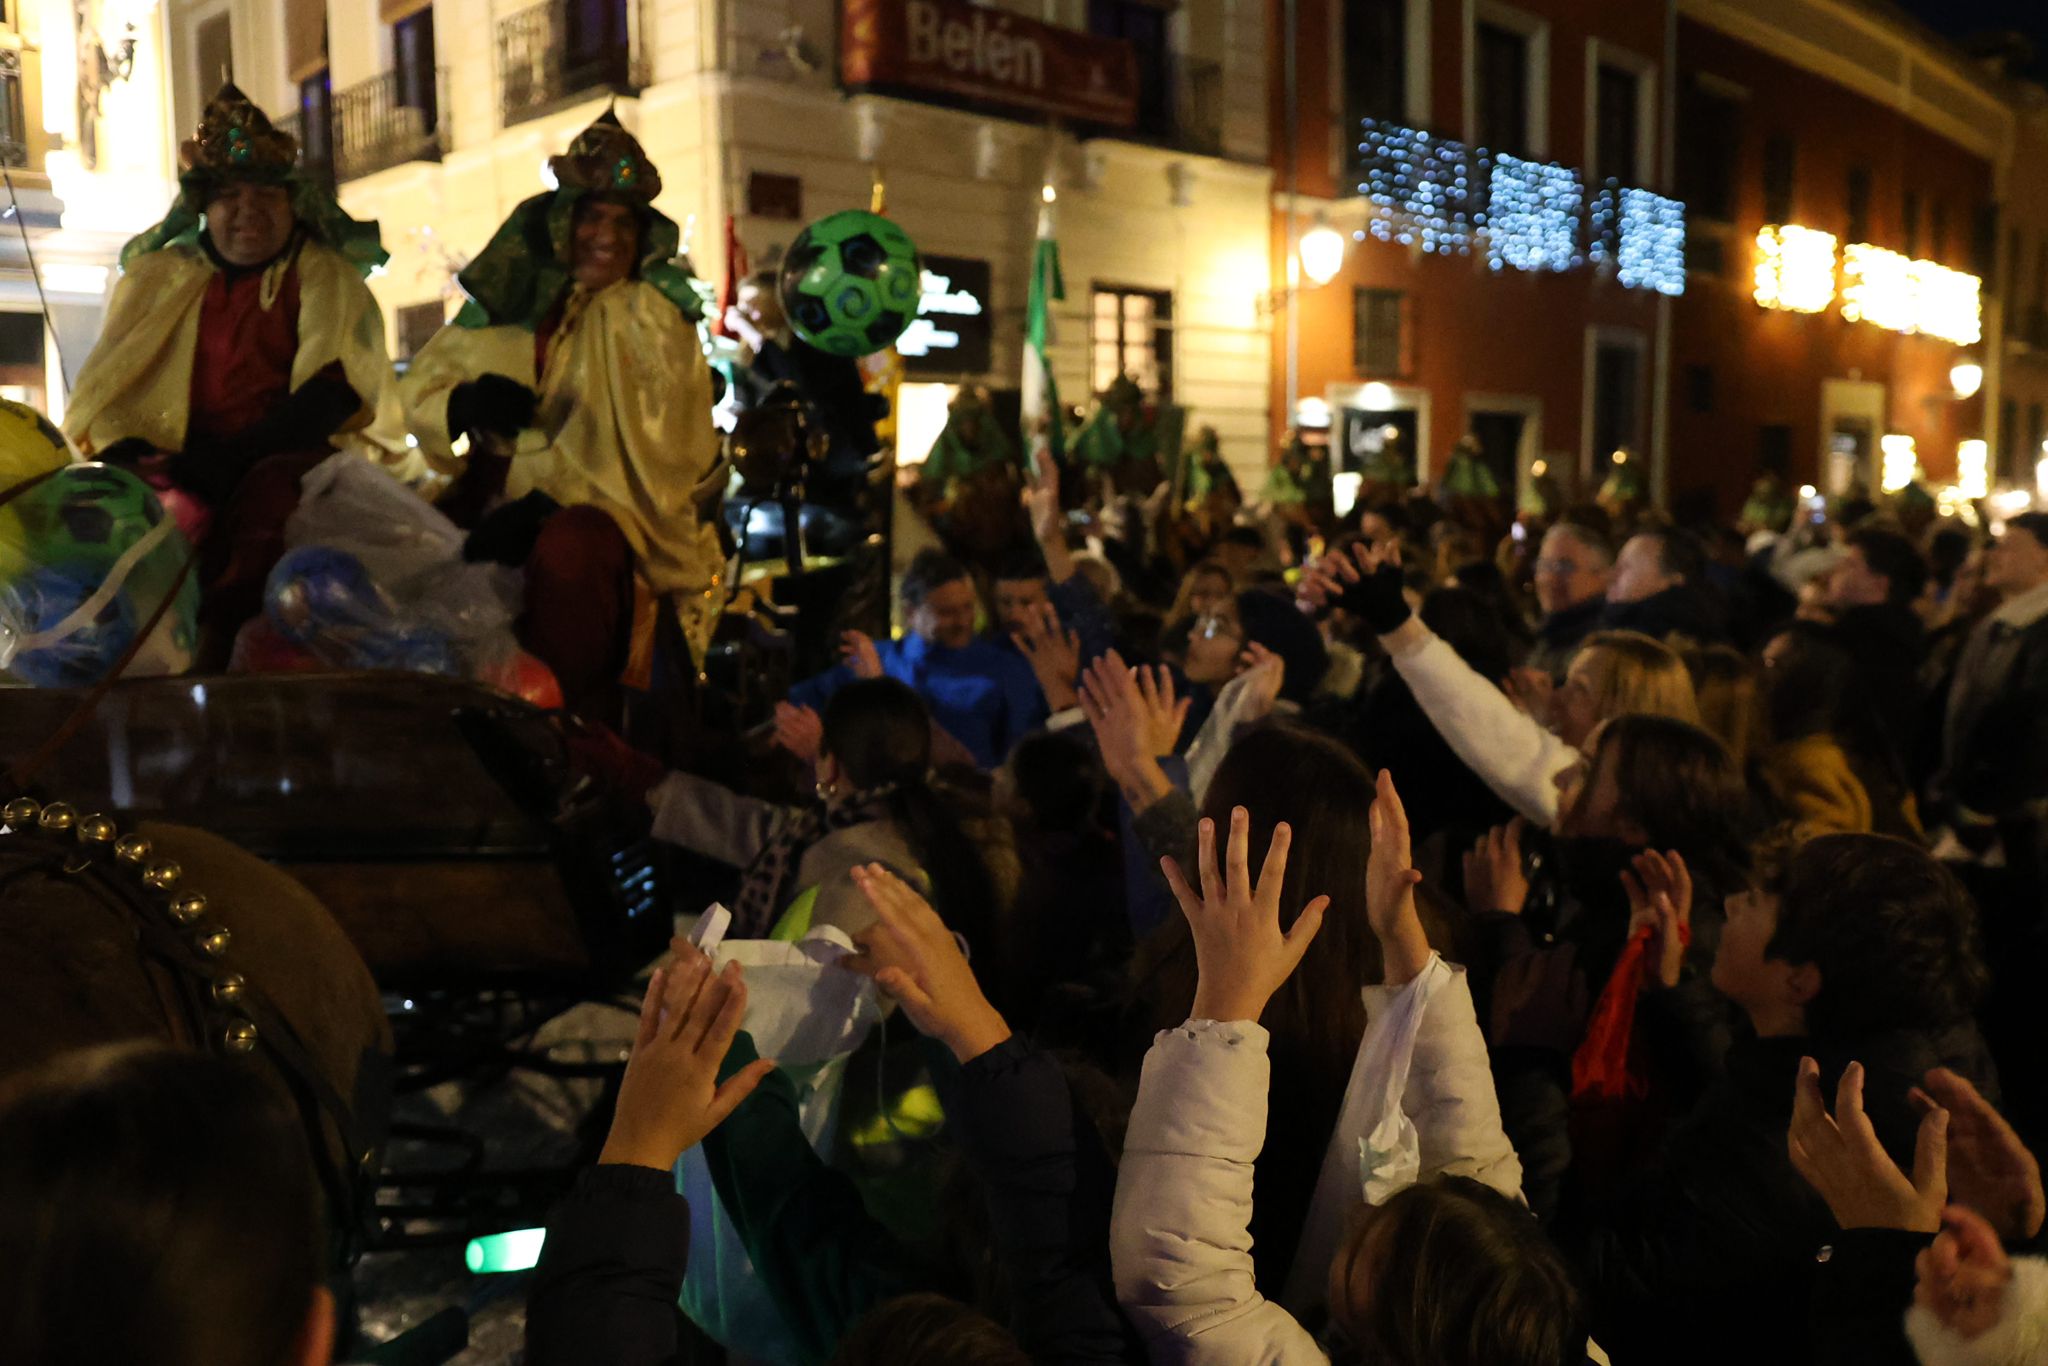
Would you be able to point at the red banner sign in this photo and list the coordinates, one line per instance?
(947, 47)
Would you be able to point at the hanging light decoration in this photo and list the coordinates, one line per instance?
(1419, 186)
(1642, 235)
(1947, 304)
(1973, 469)
(1795, 268)
(1532, 215)
(1966, 378)
(1877, 287)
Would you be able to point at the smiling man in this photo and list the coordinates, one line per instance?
(240, 349)
(574, 385)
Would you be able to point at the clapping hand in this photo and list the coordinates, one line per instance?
(799, 730)
(1840, 1157)
(1962, 1274)
(857, 648)
(911, 954)
(1241, 953)
(1494, 880)
(670, 1097)
(1053, 652)
(1390, 880)
(1660, 896)
(1989, 1169)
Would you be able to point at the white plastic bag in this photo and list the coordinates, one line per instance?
(412, 552)
(1374, 1150)
(809, 1015)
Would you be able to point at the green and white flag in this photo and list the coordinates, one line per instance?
(1041, 396)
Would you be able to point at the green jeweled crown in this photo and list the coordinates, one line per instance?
(606, 159)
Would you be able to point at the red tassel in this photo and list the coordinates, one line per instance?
(1603, 1067)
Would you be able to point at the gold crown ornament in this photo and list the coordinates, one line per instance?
(606, 159)
(236, 141)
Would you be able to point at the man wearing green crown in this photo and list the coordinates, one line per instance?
(240, 349)
(570, 404)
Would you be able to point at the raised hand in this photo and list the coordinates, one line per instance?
(1989, 1169)
(1494, 880)
(1323, 583)
(1378, 595)
(1390, 880)
(1241, 954)
(1659, 891)
(799, 730)
(670, 1097)
(1264, 673)
(1133, 711)
(857, 648)
(911, 954)
(1053, 652)
(1041, 499)
(1840, 1157)
(1962, 1274)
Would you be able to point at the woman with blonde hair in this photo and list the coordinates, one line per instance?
(1526, 761)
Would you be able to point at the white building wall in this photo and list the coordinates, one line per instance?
(749, 85)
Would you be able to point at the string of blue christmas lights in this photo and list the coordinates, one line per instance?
(1443, 196)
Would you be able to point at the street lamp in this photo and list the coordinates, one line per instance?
(1322, 252)
(1966, 378)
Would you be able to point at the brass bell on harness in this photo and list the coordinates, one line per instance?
(20, 811)
(239, 1036)
(228, 988)
(161, 875)
(213, 943)
(187, 908)
(58, 817)
(97, 830)
(131, 849)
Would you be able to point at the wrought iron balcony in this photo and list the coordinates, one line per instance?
(316, 157)
(560, 51)
(387, 121)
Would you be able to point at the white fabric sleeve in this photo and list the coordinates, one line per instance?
(1506, 747)
(2019, 1338)
(1180, 1239)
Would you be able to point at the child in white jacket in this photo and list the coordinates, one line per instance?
(1444, 1265)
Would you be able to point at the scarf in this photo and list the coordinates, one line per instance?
(765, 887)
(1603, 1065)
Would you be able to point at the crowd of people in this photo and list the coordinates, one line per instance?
(1617, 949)
(1366, 939)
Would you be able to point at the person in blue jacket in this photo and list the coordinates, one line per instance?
(980, 693)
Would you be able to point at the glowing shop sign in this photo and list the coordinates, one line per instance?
(1440, 195)
(1795, 268)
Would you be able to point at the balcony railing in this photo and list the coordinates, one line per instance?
(13, 111)
(387, 121)
(560, 51)
(316, 156)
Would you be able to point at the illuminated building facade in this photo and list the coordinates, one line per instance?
(1840, 171)
(1501, 173)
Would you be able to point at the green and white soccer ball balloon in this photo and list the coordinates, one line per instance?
(851, 283)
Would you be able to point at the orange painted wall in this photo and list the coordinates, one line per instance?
(1768, 366)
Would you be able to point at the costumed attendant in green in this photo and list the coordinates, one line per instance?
(1130, 440)
(570, 402)
(240, 349)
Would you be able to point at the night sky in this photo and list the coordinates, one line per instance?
(1962, 18)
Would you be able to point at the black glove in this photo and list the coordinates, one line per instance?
(497, 404)
(506, 536)
(1377, 599)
